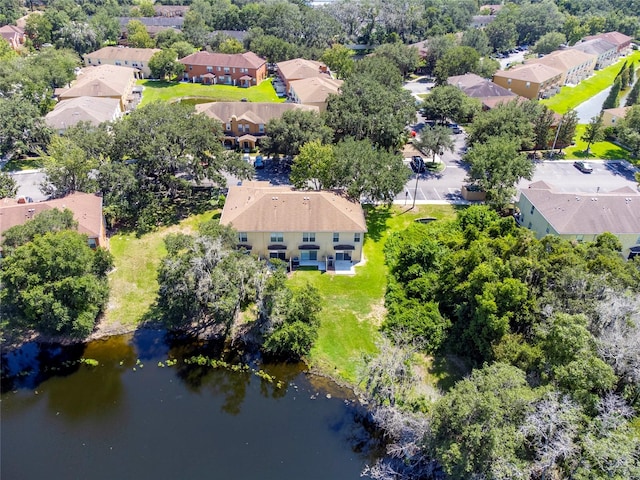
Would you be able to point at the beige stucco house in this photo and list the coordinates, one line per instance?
(575, 65)
(605, 51)
(123, 57)
(86, 208)
(299, 68)
(244, 123)
(105, 81)
(612, 116)
(322, 228)
(314, 91)
(531, 81)
(581, 217)
(93, 110)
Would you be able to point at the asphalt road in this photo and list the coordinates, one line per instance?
(442, 187)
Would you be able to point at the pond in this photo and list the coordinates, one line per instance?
(135, 415)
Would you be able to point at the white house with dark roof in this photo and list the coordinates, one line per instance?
(322, 228)
(581, 217)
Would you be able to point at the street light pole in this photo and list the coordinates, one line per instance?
(415, 190)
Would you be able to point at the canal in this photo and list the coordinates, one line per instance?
(132, 407)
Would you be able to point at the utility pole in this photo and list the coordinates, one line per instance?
(415, 190)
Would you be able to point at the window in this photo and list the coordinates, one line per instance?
(126, 62)
(242, 237)
(118, 62)
(532, 209)
(228, 126)
(219, 68)
(89, 60)
(209, 69)
(190, 67)
(529, 226)
(547, 230)
(261, 128)
(277, 237)
(336, 237)
(508, 81)
(226, 69)
(580, 238)
(234, 70)
(311, 255)
(356, 237)
(528, 84)
(309, 237)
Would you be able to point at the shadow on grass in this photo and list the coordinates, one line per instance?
(376, 220)
(160, 84)
(448, 369)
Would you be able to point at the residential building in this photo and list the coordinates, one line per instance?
(605, 51)
(481, 21)
(153, 25)
(575, 65)
(241, 69)
(13, 35)
(620, 40)
(124, 57)
(580, 216)
(86, 208)
(108, 81)
(531, 81)
(488, 93)
(300, 68)
(611, 116)
(93, 110)
(244, 122)
(314, 91)
(309, 227)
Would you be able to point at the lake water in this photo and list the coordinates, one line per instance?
(129, 418)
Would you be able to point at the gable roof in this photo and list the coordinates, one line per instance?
(255, 112)
(261, 207)
(86, 208)
(82, 109)
(123, 53)
(316, 89)
(101, 81)
(301, 68)
(237, 60)
(619, 112)
(532, 72)
(616, 38)
(617, 211)
(565, 59)
(595, 46)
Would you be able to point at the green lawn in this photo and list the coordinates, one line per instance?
(133, 283)
(604, 150)
(167, 91)
(571, 97)
(354, 305)
(17, 164)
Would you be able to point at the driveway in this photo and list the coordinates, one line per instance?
(418, 86)
(591, 108)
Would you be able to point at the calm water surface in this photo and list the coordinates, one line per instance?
(129, 418)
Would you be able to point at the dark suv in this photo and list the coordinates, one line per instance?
(417, 164)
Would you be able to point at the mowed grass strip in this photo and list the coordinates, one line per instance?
(134, 283)
(571, 97)
(353, 306)
(170, 91)
(601, 150)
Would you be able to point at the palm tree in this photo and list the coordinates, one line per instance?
(434, 141)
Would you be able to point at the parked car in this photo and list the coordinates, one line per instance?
(584, 167)
(417, 164)
(455, 128)
(259, 162)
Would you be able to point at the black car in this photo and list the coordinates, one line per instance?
(417, 164)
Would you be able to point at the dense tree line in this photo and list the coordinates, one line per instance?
(549, 326)
(205, 282)
(50, 280)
